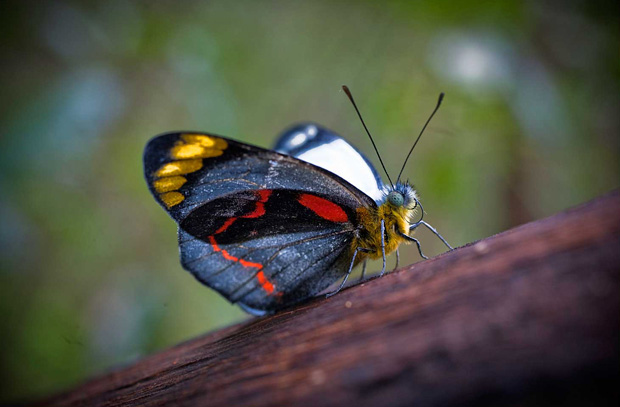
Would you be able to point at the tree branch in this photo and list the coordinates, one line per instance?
(527, 317)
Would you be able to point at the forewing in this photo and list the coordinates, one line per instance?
(324, 148)
(185, 170)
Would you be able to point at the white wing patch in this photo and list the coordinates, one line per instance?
(343, 160)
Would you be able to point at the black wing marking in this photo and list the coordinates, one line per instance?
(245, 215)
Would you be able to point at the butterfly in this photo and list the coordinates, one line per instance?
(271, 228)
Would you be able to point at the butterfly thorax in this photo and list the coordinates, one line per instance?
(396, 209)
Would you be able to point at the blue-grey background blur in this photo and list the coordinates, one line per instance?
(89, 272)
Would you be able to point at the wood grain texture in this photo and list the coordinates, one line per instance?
(527, 317)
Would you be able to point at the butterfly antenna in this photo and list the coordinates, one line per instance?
(348, 92)
(418, 139)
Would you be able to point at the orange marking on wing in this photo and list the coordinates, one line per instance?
(216, 248)
(250, 264)
(225, 226)
(227, 256)
(323, 208)
(264, 194)
(259, 210)
(267, 285)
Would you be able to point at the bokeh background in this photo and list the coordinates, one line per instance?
(89, 271)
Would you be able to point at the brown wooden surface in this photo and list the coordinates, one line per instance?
(527, 317)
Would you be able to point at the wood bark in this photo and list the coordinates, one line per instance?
(527, 317)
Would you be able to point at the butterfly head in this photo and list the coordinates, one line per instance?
(401, 196)
(399, 205)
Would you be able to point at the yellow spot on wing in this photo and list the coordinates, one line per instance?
(168, 184)
(205, 141)
(171, 198)
(179, 168)
(187, 151)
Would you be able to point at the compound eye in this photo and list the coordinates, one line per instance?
(396, 199)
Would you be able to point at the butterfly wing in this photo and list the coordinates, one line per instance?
(262, 228)
(324, 148)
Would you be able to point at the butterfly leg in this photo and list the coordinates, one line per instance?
(432, 229)
(417, 242)
(363, 271)
(382, 246)
(397, 259)
(346, 276)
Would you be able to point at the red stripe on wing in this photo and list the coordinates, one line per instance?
(323, 208)
(226, 224)
(266, 284)
(259, 210)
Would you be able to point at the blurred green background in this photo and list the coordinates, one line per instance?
(89, 270)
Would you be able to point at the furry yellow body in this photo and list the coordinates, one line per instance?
(396, 219)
